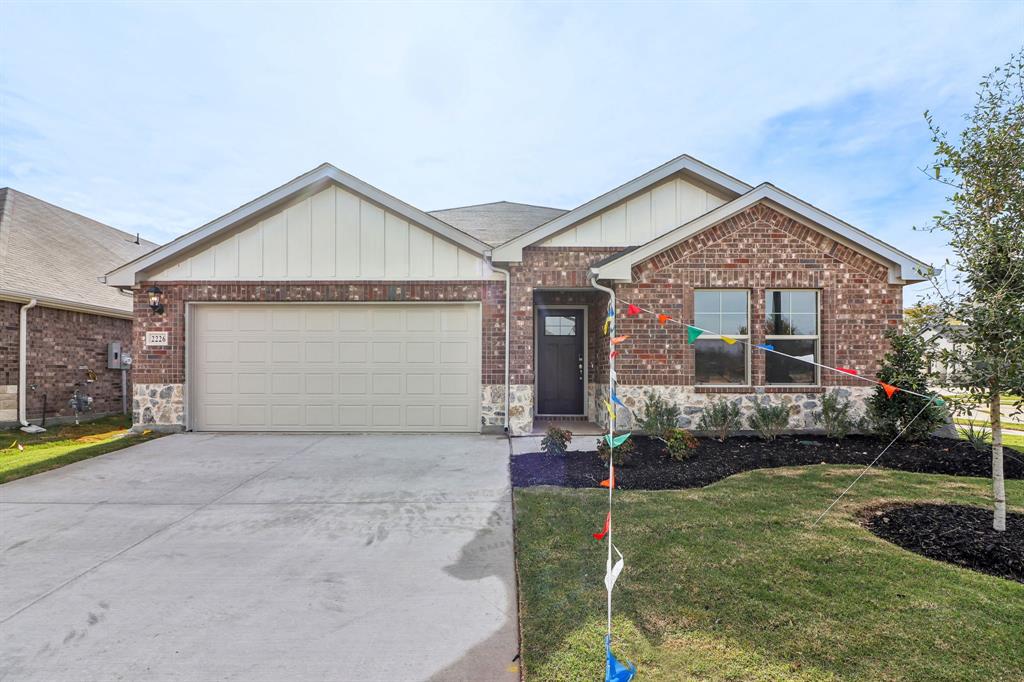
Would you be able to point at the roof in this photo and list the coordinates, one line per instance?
(57, 256)
(497, 222)
(512, 250)
(903, 268)
(304, 185)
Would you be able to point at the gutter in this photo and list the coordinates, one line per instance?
(508, 317)
(48, 302)
(23, 368)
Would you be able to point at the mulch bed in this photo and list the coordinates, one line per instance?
(650, 467)
(955, 534)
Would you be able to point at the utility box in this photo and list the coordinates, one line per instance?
(114, 360)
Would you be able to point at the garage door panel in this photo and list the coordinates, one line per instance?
(336, 367)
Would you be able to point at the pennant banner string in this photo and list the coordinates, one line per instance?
(693, 332)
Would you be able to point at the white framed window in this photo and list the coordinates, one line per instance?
(722, 312)
(792, 325)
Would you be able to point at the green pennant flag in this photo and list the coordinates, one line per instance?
(692, 333)
(939, 401)
(617, 441)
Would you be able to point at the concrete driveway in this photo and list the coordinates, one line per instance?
(263, 557)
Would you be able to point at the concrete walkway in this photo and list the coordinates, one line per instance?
(263, 557)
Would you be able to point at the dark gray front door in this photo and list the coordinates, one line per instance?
(560, 361)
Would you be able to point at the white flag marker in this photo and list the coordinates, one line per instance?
(612, 572)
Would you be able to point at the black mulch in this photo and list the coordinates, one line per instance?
(650, 467)
(955, 534)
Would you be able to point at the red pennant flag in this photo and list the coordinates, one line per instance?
(632, 311)
(607, 523)
(662, 319)
(847, 370)
(888, 388)
(613, 354)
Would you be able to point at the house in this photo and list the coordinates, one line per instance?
(327, 304)
(51, 262)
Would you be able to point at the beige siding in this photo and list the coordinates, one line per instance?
(333, 234)
(641, 218)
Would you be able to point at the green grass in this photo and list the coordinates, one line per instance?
(63, 444)
(730, 582)
(964, 421)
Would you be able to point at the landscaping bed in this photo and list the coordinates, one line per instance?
(956, 534)
(651, 468)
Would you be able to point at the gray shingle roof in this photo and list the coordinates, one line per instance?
(497, 222)
(51, 253)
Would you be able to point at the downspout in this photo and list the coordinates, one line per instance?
(508, 317)
(611, 305)
(23, 361)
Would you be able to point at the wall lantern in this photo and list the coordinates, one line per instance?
(155, 304)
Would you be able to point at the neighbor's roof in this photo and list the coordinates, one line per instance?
(56, 256)
(497, 222)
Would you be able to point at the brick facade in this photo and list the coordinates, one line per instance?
(61, 342)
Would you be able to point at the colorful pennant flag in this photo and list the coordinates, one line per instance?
(614, 354)
(692, 333)
(847, 370)
(619, 339)
(617, 441)
(662, 319)
(614, 670)
(608, 319)
(632, 311)
(611, 573)
(888, 388)
(805, 358)
(607, 525)
(939, 401)
(611, 410)
(615, 399)
(729, 340)
(609, 482)
(764, 346)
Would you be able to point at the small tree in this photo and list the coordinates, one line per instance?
(984, 168)
(905, 366)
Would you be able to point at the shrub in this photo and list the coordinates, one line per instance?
(622, 452)
(555, 440)
(720, 418)
(904, 366)
(680, 442)
(660, 416)
(835, 416)
(978, 436)
(768, 420)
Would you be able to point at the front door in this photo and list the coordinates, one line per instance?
(560, 361)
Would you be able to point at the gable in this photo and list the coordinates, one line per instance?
(332, 234)
(643, 217)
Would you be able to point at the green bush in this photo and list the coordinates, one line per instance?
(680, 443)
(980, 437)
(904, 366)
(622, 452)
(835, 416)
(720, 418)
(660, 416)
(555, 440)
(768, 420)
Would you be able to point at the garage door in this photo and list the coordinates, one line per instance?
(335, 367)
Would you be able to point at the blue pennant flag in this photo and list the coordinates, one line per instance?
(764, 346)
(615, 671)
(615, 399)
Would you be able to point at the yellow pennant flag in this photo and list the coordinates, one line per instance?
(610, 408)
(729, 340)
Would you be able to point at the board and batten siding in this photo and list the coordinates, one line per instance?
(642, 218)
(333, 234)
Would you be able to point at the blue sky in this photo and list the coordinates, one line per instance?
(158, 117)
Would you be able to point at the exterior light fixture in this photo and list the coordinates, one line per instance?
(155, 302)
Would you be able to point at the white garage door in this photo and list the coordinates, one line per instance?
(335, 367)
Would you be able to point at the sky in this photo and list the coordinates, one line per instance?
(159, 117)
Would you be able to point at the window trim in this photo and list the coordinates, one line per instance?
(768, 338)
(744, 338)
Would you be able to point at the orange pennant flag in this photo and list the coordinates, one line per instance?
(610, 481)
(619, 339)
(662, 319)
(888, 388)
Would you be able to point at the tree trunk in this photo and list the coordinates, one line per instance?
(998, 486)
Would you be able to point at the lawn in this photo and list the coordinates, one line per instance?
(730, 582)
(63, 444)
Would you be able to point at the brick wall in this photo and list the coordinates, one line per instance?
(60, 343)
(758, 249)
(167, 365)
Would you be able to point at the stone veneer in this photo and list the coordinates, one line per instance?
(8, 403)
(160, 407)
(492, 406)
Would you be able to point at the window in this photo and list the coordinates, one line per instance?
(791, 325)
(559, 326)
(721, 312)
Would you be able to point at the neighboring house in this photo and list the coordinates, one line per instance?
(56, 258)
(327, 304)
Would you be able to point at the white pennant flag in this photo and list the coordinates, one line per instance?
(805, 358)
(615, 377)
(612, 572)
